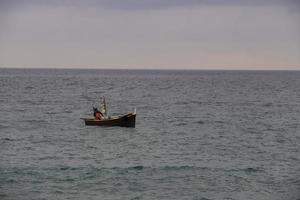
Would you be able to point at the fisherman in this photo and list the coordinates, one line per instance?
(97, 114)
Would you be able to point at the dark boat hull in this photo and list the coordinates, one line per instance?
(125, 121)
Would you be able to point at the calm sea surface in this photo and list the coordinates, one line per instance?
(200, 135)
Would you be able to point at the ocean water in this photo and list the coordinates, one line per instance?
(200, 135)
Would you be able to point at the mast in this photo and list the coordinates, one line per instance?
(104, 104)
(103, 107)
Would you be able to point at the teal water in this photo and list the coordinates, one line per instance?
(199, 135)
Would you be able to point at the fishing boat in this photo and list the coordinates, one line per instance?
(101, 118)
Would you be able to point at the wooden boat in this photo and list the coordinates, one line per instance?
(127, 120)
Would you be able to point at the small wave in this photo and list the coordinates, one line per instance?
(19, 109)
(181, 103)
(165, 88)
(181, 167)
(11, 180)
(196, 102)
(251, 169)
(267, 105)
(3, 196)
(48, 158)
(200, 122)
(167, 168)
(28, 148)
(219, 122)
(248, 169)
(51, 113)
(136, 198)
(36, 121)
(58, 192)
(93, 170)
(3, 127)
(68, 168)
(71, 83)
(181, 124)
(28, 102)
(163, 168)
(138, 167)
(91, 147)
(7, 139)
(189, 102)
(39, 141)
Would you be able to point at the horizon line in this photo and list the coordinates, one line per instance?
(159, 69)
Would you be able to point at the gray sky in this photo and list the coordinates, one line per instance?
(195, 34)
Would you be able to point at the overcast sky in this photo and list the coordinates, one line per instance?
(195, 34)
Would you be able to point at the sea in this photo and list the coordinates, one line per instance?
(199, 135)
